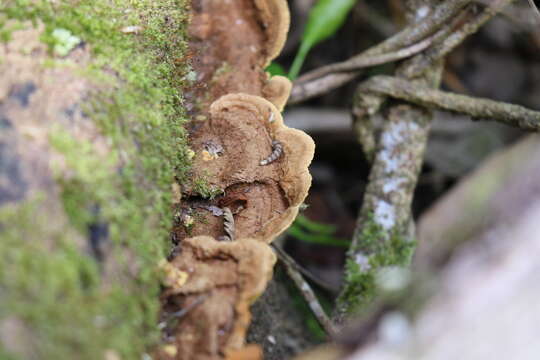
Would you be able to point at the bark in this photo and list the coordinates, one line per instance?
(90, 143)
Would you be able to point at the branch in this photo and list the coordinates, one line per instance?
(478, 108)
(362, 61)
(383, 232)
(443, 48)
(292, 269)
(369, 103)
(410, 35)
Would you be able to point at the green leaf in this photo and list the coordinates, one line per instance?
(314, 226)
(326, 17)
(276, 69)
(323, 239)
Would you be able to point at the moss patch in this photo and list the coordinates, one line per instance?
(381, 250)
(59, 293)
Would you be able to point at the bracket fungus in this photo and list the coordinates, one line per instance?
(275, 18)
(277, 90)
(232, 43)
(245, 127)
(255, 167)
(224, 279)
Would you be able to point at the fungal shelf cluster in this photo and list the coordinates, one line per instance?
(252, 170)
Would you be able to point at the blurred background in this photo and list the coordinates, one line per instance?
(500, 62)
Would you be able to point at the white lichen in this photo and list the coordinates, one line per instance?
(393, 184)
(362, 261)
(396, 135)
(422, 12)
(385, 214)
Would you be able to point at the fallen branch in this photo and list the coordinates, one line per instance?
(412, 34)
(293, 271)
(383, 230)
(362, 61)
(478, 108)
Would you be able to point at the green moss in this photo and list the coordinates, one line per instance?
(382, 250)
(58, 294)
(207, 191)
(55, 289)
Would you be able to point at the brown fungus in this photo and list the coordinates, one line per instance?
(275, 18)
(277, 90)
(240, 105)
(228, 277)
(272, 193)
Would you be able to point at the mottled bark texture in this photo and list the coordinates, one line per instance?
(90, 143)
(382, 236)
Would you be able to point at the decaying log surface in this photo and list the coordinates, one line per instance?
(90, 142)
(91, 117)
(249, 178)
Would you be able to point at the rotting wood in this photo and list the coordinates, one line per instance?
(89, 144)
(235, 108)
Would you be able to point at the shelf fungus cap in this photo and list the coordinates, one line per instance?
(289, 171)
(225, 279)
(275, 17)
(277, 90)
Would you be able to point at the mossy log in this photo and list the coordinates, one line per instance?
(91, 141)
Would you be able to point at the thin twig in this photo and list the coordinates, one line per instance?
(292, 270)
(443, 48)
(418, 31)
(360, 62)
(319, 282)
(478, 108)
(410, 35)
(305, 91)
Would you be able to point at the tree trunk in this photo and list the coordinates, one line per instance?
(90, 144)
